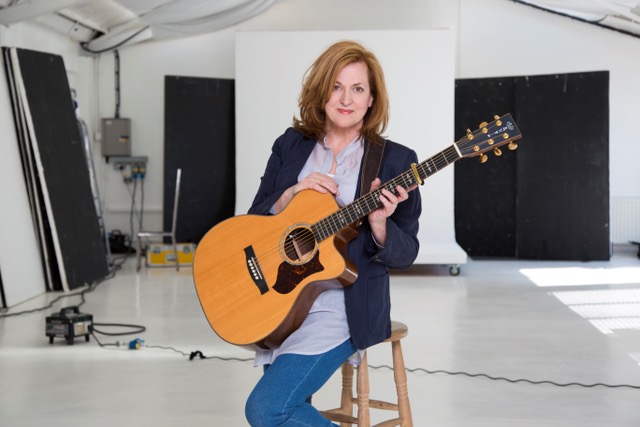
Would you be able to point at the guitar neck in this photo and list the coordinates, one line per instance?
(488, 137)
(366, 204)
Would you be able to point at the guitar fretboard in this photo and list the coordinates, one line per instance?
(366, 204)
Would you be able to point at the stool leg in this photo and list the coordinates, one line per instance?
(400, 377)
(346, 401)
(364, 419)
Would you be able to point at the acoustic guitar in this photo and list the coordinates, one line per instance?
(257, 276)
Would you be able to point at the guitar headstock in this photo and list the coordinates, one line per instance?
(490, 137)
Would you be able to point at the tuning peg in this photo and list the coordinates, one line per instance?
(512, 146)
(483, 124)
(497, 151)
(497, 119)
(469, 135)
(483, 158)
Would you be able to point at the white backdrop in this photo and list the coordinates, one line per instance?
(419, 68)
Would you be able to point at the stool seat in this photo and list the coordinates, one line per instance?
(398, 331)
(344, 414)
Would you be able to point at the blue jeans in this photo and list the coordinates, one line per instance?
(281, 397)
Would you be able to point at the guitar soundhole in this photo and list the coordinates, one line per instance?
(299, 245)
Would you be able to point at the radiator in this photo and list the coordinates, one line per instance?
(625, 220)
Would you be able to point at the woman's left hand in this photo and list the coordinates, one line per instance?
(389, 202)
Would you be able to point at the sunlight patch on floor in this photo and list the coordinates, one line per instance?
(608, 310)
(582, 276)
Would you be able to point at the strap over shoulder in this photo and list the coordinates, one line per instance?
(372, 161)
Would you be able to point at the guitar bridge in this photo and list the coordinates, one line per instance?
(253, 268)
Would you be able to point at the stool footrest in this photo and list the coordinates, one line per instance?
(379, 404)
(335, 415)
(390, 423)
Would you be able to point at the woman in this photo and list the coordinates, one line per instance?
(343, 111)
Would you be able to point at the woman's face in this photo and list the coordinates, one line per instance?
(350, 99)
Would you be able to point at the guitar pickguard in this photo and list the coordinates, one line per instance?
(290, 275)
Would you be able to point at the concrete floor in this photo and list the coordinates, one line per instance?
(563, 322)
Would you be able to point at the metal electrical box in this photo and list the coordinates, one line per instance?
(116, 137)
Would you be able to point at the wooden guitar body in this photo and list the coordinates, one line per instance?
(254, 274)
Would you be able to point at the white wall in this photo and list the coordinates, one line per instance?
(494, 38)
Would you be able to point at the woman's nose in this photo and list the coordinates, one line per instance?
(345, 99)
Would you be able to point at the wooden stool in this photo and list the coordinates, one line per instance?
(344, 414)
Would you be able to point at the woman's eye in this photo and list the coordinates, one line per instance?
(336, 87)
(359, 89)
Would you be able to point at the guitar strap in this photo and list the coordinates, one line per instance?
(372, 161)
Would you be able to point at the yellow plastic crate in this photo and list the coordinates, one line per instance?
(161, 255)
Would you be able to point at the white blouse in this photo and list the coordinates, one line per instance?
(326, 325)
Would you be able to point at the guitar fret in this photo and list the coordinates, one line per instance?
(332, 222)
(318, 231)
(430, 169)
(326, 228)
(435, 165)
(356, 212)
(409, 180)
(367, 199)
(451, 154)
(348, 218)
(375, 200)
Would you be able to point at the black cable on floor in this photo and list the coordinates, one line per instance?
(197, 354)
(193, 355)
(519, 380)
(109, 344)
(134, 329)
(137, 329)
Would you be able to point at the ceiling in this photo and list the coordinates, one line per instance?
(103, 25)
(618, 15)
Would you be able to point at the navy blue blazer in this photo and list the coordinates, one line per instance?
(367, 300)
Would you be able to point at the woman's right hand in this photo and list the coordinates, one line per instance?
(315, 181)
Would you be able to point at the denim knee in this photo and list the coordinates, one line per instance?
(260, 411)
